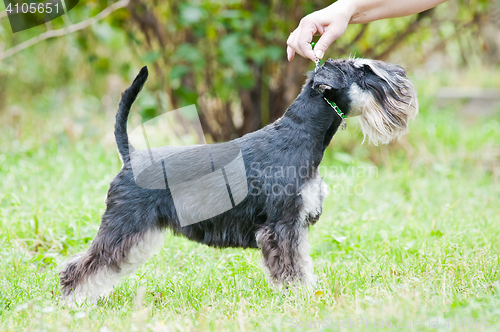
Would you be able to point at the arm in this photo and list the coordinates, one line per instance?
(332, 21)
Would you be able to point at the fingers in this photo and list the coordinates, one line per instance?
(330, 22)
(299, 41)
(331, 34)
(290, 53)
(305, 49)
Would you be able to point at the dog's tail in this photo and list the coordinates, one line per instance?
(128, 97)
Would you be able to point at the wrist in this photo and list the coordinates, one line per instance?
(346, 8)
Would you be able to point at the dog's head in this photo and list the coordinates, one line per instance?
(378, 92)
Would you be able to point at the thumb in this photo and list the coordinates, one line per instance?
(326, 40)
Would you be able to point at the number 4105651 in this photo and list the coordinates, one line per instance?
(32, 8)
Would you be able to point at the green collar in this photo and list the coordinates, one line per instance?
(331, 103)
(338, 111)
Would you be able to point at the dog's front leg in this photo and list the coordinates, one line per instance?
(285, 252)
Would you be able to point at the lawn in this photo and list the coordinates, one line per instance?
(410, 232)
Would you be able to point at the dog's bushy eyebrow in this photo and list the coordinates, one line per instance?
(379, 88)
(329, 75)
(385, 88)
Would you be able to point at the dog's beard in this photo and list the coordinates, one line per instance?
(385, 119)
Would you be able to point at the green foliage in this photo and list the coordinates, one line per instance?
(218, 49)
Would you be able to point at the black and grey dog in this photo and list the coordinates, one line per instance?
(277, 222)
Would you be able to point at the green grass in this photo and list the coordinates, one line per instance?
(417, 239)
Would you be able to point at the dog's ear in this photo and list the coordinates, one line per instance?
(329, 77)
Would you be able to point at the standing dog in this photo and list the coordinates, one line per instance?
(132, 227)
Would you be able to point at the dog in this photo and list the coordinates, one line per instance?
(277, 223)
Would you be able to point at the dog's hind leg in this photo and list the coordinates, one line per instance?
(117, 250)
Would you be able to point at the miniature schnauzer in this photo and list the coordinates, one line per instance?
(133, 225)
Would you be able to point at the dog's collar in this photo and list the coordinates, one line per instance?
(338, 111)
(331, 103)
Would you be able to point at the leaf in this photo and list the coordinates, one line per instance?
(437, 233)
(343, 157)
(339, 238)
(103, 32)
(191, 54)
(230, 13)
(147, 106)
(275, 53)
(233, 53)
(408, 245)
(151, 57)
(191, 14)
(318, 294)
(178, 72)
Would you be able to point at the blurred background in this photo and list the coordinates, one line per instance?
(228, 58)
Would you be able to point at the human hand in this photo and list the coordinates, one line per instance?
(330, 22)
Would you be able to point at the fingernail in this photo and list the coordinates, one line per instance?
(319, 54)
